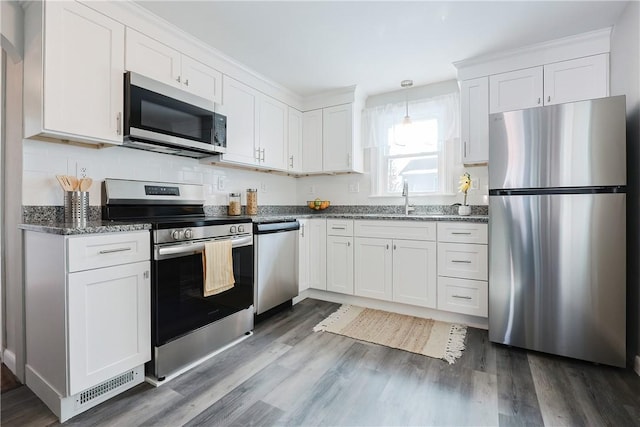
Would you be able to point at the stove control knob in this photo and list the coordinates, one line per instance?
(188, 234)
(232, 229)
(241, 229)
(176, 234)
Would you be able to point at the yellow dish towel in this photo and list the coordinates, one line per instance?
(217, 265)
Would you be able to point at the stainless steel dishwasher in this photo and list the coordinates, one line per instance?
(275, 246)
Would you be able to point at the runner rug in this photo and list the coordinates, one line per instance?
(428, 337)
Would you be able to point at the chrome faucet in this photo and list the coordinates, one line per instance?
(405, 194)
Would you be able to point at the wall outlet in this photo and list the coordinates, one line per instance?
(312, 189)
(82, 170)
(222, 183)
(475, 183)
(263, 187)
(354, 187)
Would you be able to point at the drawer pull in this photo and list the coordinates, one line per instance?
(467, 233)
(338, 228)
(460, 296)
(110, 251)
(461, 261)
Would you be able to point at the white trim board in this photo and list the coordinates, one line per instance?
(394, 307)
(572, 47)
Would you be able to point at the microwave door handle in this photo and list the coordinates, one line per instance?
(194, 248)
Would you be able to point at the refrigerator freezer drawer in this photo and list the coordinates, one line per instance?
(557, 274)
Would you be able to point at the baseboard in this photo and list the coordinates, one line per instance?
(636, 365)
(301, 296)
(9, 359)
(410, 310)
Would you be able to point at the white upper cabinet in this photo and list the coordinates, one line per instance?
(576, 80)
(272, 131)
(257, 127)
(341, 150)
(515, 90)
(160, 62)
(241, 109)
(294, 144)
(565, 81)
(312, 141)
(73, 73)
(201, 79)
(474, 102)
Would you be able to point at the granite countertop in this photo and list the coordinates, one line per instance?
(375, 216)
(91, 227)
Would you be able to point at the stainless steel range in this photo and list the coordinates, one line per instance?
(186, 325)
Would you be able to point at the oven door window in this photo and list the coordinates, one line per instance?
(180, 305)
(158, 113)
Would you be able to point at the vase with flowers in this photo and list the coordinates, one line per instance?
(465, 185)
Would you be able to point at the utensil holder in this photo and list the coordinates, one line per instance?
(76, 207)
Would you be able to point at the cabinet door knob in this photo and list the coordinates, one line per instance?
(186, 82)
(291, 161)
(394, 247)
(387, 246)
(539, 100)
(549, 99)
(348, 243)
(178, 79)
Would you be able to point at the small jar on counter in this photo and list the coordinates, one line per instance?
(235, 207)
(252, 201)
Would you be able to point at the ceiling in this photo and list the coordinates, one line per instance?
(315, 46)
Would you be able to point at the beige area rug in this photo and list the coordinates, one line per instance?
(440, 340)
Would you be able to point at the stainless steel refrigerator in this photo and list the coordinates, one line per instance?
(557, 224)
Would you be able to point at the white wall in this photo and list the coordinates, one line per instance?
(43, 160)
(337, 188)
(625, 80)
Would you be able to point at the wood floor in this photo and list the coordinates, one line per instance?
(287, 375)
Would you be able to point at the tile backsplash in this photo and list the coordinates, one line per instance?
(42, 161)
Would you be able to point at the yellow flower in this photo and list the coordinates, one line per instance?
(465, 183)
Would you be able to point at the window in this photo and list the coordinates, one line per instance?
(419, 152)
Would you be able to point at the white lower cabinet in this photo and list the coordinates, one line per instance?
(463, 296)
(109, 330)
(373, 266)
(340, 264)
(463, 268)
(88, 320)
(303, 256)
(317, 232)
(399, 269)
(414, 272)
(340, 256)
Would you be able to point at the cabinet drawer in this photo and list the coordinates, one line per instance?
(464, 261)
(462, 232)
(408, 230)
(340, 227)
(463, 296)
(105, 250)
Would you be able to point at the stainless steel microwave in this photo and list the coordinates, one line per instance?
(165, 119)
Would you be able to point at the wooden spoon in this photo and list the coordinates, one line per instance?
(73, 181)
(62, 179)
(85, 183)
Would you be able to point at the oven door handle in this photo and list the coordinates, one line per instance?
(193, 248)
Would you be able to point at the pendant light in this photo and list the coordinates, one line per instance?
(406, 84)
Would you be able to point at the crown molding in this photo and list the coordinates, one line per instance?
(576, 46)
